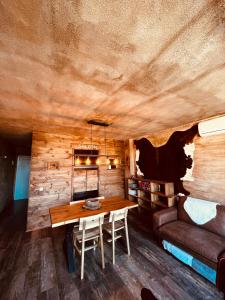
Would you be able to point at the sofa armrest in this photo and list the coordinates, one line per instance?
(164, 216)
(220, 277)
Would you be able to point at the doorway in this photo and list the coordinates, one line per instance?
(21, 188)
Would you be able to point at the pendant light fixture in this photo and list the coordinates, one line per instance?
(77, 161)
(107, 158)
(88, 161)
(110, 160)
(115, 161)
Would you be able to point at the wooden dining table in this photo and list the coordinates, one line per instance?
(71, 213)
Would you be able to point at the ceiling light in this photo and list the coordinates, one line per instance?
(114, 158)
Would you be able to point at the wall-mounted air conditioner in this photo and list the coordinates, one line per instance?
(212, 127)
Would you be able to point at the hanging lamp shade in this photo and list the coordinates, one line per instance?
(77, 161)
(108, 159)
(88, 161)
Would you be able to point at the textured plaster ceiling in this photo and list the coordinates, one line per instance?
(144, 66)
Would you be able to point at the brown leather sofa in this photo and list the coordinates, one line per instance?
(204, 242)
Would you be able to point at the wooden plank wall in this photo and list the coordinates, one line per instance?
(57, 184)
(209, 165)
(85, 180)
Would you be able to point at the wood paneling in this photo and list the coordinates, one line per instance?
(209, 169)
(85, 180)
(50, 188)
(92, 180)
(209, 165)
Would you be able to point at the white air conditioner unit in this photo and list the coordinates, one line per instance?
(212, 127)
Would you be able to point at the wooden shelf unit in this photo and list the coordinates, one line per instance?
(155, 193)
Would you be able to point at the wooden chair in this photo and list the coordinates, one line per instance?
(82, 201)
(117, 222)
(90, 229)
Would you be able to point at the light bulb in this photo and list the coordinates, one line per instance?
(97, 161)
(77, 161)
(115, 161)
(88, 161)
(108, 161)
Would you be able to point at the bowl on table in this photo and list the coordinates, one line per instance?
(92, 203)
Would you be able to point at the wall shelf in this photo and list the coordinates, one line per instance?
(135, 196)
(90, 167)
(153, 193)
(86, 155)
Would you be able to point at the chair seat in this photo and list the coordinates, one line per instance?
(90, 234)
(118, 226)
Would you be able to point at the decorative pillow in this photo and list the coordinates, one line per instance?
(200, 211)
(207, 214)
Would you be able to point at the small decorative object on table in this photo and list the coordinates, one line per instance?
(92, 204)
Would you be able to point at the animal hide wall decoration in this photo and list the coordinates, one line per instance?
(168, 162)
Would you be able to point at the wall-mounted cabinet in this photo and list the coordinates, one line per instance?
(150, 193)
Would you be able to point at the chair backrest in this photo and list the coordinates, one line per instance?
(76, 202)
(118, 214)
(91, 222)
(96, 198)
(79, 201)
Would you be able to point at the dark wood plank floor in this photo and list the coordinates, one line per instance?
(32, 266)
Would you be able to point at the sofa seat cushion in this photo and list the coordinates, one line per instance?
(198, 240)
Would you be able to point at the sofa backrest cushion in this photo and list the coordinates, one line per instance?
(215, 223)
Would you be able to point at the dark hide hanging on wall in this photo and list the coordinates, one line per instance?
(168, 162)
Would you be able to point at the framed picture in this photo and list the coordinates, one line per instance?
(53, 165)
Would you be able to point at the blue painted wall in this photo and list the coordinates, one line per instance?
(21, 190)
